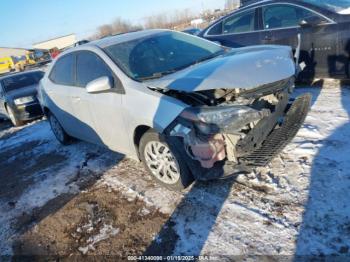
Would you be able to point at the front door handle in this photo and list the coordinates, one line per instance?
(76, 98)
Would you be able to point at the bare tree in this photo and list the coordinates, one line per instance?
(177, 20)
(172, 20)
(118, 26)
(156, 21)
(121, 26)
(104, 30)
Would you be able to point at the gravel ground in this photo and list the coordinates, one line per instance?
(85, 200)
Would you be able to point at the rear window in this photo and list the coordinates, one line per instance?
(20, 81)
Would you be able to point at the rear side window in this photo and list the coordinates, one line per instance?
(90, 67)
(240, 23)
(283, 16)
(63, 71)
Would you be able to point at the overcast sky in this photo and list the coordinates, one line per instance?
(24, 22)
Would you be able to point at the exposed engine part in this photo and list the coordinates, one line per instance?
(231, 142)
(234, 96)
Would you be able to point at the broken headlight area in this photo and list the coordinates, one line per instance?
(209, 131)
(222, 119)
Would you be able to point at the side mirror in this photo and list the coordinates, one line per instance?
(99, 85)
(310, 22)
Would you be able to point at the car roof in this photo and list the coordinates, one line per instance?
(298, 2)
(125, 37)
(259, 2)
(4, 76)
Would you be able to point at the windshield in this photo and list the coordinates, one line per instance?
(338, 6)
(161, 54)
(19, 81)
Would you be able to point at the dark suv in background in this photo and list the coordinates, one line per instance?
(324, 26)
(18, 97)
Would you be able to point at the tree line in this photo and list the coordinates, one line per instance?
(179, 19)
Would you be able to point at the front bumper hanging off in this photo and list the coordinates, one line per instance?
(271, 147)
(281, 136)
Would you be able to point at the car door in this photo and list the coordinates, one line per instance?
(340, 64)
(101, 114)
(281, 25)
(61, 83)
(237, 30)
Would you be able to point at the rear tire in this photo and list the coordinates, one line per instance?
(58, 130)
(14, 119)
(164, 161)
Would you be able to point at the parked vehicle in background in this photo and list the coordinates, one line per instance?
(37, 57)
(6, 65)
(22, 62)
(18, 100)
(324, 26)
(187, 107)
(192, 31)
(12, 64)
(81, 42)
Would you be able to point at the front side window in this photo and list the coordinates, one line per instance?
(90, 67)
(161, 54)
(240, 23)
(63, 71)
(23, 80)
(284, 16)
(216, 29)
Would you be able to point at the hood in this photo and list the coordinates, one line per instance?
(22, 92)
(244, 68)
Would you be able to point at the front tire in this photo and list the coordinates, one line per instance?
(14, 119)
(58, 130)
(164, 161)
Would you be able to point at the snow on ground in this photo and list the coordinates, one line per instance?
(49, 182)
(297, 205)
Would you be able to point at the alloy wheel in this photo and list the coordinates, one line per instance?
(56, 128)
(162, 162)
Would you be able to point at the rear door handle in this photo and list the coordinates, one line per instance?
(268, 38)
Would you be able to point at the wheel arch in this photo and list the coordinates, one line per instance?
(138, 133)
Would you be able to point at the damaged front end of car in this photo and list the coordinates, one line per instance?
(235, 130)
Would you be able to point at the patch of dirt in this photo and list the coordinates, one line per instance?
(25, 221)
(17, 171)
(97, 222)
